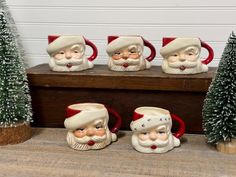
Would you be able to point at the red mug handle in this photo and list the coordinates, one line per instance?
(95, 50)
(117, 125)
(152, 48)
(181, 130)
(211, 53)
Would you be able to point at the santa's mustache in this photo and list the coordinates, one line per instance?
(187, 64)
(64, 62)
(158, 143)
(129, 61)
(86, 139)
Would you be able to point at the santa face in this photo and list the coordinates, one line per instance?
(128, 59)
(155, 140)
(94, 135)
(70, 59)
(184, 61)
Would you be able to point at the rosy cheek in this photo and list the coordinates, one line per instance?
(100, 132)
(116, 57)
(79, 134)
(134, 56)
(162, 136)
(77, 55)
(143, 137)
(58, 56)
(172, 59)
(192, 58)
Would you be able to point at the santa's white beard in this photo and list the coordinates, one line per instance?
(187, 64)
(132, 64)
(149, 143)
(75, 64)
(81, 143)
(189, 67)
(85, 139)
(161, 146)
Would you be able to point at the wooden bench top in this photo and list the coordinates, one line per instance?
(47, 154)
(101, 77)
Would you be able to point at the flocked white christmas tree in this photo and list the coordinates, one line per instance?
(15, 102)
(219, 110)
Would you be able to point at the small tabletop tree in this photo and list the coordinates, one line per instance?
(15, 102)
(219, 110)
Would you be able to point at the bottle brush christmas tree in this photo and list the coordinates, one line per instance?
(219, 110)
(15, 102)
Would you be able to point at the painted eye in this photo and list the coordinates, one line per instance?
(80, 129)
(76, 51)
(117, 53)
(98, 126)
(132, 51)
(161, 132)
(175, 55)
(190, 54)
(61, 52)
(144, 133)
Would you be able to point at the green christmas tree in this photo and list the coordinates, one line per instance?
(11, 24)
(15, 101)
(219, 110)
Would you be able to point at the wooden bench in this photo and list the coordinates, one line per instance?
(52, 92)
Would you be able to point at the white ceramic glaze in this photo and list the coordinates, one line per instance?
(87, 125)
(151, 128)
(182, 56)
(67, 53)
(126, 53)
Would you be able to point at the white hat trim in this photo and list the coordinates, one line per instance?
(123, 41)
(148, 122)
(63, 42)
(179, 43)
(84, 117)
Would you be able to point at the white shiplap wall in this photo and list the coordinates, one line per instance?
(210, 20)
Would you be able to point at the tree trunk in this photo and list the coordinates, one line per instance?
(227, 147)
(14, 135)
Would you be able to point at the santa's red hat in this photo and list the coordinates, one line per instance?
(56, 43)
(171, 44)
(145, 118)
(78, 115)
(117, 42)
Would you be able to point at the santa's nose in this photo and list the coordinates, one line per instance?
(68, 55)
(182, 59)
(152, 135)
(90, 132)
(125, 55)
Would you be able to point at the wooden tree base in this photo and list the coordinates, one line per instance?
(14, 135)
(227, 147)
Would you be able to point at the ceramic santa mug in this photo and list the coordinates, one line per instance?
(126, 53)
(151, 128)
(67, 53)
(87, 125)
(182, 55)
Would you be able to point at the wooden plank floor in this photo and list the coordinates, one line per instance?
(47, 154)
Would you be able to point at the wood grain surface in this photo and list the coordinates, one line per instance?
(52, 92)
(101, 77)
(47, 154)
(49, 104)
